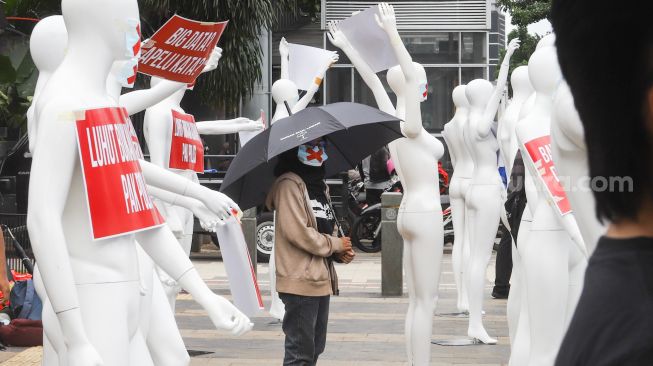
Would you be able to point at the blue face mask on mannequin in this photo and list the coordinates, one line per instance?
(312, 154)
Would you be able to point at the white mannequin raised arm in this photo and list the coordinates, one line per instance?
(485, 124)
(370, 78)
(284, 52)
(208, 220)
(224, 127)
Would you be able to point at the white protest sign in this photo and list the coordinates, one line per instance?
(369, 40)
(240, 271)
(305, 63)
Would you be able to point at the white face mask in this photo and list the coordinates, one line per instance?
(133, 38)
(126, 74)
(312, 155)
(424, 90)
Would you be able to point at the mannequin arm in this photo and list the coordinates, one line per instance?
(370, 78)
(208, 219)
(161, 178)
(413, 122)
(570, 225)
(228, 126)
(284, 52)
(306, 99)
(568, 119)
(492, 106)
(53, 168)
(140, 100)
(452, 155)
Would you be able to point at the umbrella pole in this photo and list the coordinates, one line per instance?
(288, 108)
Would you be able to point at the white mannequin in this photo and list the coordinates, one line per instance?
(285, 90)
(58, 219)
(416, 159)
(553, 266)
(570, 156)
(485, 196)
(158, 129)
(463, 170)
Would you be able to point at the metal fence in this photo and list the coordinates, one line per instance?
(17, 243)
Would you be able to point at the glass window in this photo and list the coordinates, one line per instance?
(474, 50)
(338, 85)
(363, 94)
(470, 73)
(432, 48)
(438, 109)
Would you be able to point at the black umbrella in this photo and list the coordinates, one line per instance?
(353, 132)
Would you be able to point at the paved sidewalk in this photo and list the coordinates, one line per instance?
(364, 328)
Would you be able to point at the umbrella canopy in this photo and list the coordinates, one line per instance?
(353, 132)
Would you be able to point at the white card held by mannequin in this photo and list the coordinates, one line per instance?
(240, 271)
(369, 40)
(305, 63)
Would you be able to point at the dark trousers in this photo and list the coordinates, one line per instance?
(503, 265)
(305, 327)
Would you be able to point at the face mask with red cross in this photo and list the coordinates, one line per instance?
(312, 154)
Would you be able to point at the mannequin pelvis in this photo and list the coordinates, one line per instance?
(458, 187)
(548, 248)
(570, 156)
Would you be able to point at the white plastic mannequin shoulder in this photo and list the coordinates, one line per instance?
(570, 156)
(458, 187)
(521, 91)
(47, 47)
(57, 217)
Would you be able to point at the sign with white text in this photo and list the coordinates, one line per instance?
(116, 193)
(186, 148)
(539, 152)
(179, 50)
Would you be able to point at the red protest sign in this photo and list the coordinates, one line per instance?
(116, 193)
(179, 50)
(539, 151)
(186, 148)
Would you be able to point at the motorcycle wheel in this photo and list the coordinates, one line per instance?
(362, 232)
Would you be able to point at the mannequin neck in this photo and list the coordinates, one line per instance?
(86, 65)
(461, 112)
(519, 97)
(543, 104)
(401, 107)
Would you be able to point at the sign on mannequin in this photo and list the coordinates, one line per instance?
(305, 62)
(179, 49)
(539, 151)
(246, 136)
(186, 148)
(370, 40)
(238, 264)
(116, 193)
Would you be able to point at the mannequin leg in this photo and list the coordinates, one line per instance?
(458, 221)
(545, 264)
(277, 308)
(514, 296)
(110, 324)
(485, 216)
(54, 349)
(422, 259)
(163, 339)
(520, 342)
(139, 353)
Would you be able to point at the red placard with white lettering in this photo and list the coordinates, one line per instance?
(179, 50)
(186, 148)
(539, 151)
(116, 193)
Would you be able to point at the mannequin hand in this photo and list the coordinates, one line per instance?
(214, 59)
(386, 18)
(208, 220)
(253, 126)
(513, 46)
(225, 315)
(327, 65)
(283, 48)
(84, 355)
(220, 204)
(336, 36)
(241, 120)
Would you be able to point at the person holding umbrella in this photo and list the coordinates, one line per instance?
(305, 247)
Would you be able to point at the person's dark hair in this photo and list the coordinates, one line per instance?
(605, 50)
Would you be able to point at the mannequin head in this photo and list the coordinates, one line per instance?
(114, 24)
(48, 43)
(459, 97)
(543, 70)
(521, 83)
(397, 82)
(478, 93)
(284, 90)
(547, 41)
